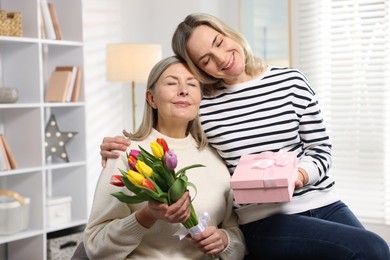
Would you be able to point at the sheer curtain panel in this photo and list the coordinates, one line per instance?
(343, 47)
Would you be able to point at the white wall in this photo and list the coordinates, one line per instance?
(154, 21)
(136, 21)
(100, 21)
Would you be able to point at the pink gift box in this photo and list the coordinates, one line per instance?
(265, 178)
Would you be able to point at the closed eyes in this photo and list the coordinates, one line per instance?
(218, 43)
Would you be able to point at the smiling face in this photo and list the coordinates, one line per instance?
(176, 96)
(217, 55)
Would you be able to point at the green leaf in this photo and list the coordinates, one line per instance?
(162, 197)
(190, 184)
(183, 170)
(160, 181)
(176, 191)
(127, 199)
(124, 173)
(166, 175)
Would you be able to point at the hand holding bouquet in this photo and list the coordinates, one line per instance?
(153, 177)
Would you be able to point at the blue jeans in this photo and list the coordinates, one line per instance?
(330, 232)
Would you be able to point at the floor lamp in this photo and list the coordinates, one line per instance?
(126, 62)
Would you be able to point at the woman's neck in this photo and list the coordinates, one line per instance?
(244, 77)
(173, 131)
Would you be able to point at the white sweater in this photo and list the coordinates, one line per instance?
(114, 233)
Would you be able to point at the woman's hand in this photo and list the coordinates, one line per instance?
(212, 241)
(302, 180)
(112, 143)
(178, 212)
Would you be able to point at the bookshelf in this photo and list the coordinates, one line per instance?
(27, 63)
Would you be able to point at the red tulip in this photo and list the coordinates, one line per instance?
(163, 143)
(148, 184)
(117, 180)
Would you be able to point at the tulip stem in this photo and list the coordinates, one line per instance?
(192, 221)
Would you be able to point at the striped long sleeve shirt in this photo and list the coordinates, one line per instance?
(276, 111)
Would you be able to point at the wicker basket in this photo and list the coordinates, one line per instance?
(10, 23)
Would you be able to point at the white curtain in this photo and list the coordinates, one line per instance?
(343, 47)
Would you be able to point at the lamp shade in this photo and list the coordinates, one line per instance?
(131, 62)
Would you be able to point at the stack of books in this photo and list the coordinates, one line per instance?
(64, 84)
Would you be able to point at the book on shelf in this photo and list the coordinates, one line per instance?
(42, 26)
(73, 71)
(74, 85)
(47, 21)
(77, 86)
(7, 158)
(64, 84)
(4, 162)
(56, 23)
(57, 87)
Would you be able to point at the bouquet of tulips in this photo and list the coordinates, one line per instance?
(153, 177)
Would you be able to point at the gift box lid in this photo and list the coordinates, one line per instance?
(264, 170)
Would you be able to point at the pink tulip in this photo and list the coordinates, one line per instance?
(170, 159)
(134, 153)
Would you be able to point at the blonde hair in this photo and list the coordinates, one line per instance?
(183, 32)
(150, 117)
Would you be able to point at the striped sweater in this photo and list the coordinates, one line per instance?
(276, 111)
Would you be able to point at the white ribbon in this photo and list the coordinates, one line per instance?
(203, 219)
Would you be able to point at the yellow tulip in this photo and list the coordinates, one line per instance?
(135, 177)
(157, 149)
(144, 168)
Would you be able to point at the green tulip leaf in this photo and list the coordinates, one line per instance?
(176, 191)
(128, 199)
(183, 170)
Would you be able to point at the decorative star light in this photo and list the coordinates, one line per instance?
(55, 140)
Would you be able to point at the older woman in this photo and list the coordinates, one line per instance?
(146, 231)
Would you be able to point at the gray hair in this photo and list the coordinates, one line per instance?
(150, 116)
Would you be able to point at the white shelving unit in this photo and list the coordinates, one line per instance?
(26, 63)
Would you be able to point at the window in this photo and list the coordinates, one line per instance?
(343, 47)
(265, 26)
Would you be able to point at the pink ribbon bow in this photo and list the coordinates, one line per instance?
(267, 159)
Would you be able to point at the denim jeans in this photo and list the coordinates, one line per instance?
(330, 232)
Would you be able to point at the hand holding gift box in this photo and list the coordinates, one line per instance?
(267, 177)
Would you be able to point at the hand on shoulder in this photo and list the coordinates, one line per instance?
(112, 143)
